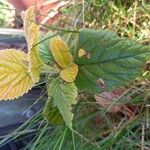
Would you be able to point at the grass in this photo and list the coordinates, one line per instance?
(127, 18)
(94, 126)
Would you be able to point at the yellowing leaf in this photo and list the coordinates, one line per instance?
(32, 37)
(64, 96)
(28, 17)
(63, 57)
(60, 52)
(69, 74)
(81, 52)
(51, 113)
(35, 63)
(14, 77)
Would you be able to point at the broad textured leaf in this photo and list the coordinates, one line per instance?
(61, 52)
(44, 48)
(115, 60)
(35, 63)
(51, 113)
(28, 17)
(64, 95)
(44, 45)
(32, 36)
(69, 74)
(14, 76)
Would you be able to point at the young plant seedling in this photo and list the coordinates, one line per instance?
(98, 54)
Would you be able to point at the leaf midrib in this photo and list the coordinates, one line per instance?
(110, 60)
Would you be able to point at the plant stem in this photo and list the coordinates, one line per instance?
(60, 29)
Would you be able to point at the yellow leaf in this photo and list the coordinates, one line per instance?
(32, 37)
(14, 77)
(69, 74)
(63, 57)
(61, 53)
(35, 64)
(81, 52)
(28, 17)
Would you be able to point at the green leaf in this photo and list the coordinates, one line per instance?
(71, 39)
(44, 49)
(64, 95)
(51, 113)
(115, 60)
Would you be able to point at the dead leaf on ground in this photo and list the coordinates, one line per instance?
(105, 99)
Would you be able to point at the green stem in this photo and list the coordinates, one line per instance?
(60, 29)
(73, 140)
